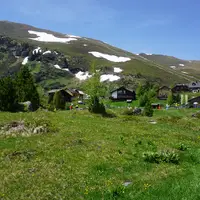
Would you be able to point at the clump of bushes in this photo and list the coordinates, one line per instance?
(127, 112)
(182, 147)
(148, 110)
(159, 157)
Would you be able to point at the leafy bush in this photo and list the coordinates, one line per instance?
(143, 100)
(182, 147)
(159, 157)
(109, 114)
(148, 110)
(127, 112)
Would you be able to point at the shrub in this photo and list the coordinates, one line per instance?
(182, 147)
(127, 112)
(148, 110)
(159, 157)
(143, 100)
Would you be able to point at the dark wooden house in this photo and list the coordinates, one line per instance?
(163, 93)
(180, 88)
(67, 95)
(122, 94)
(77, 94)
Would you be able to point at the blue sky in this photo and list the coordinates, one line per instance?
(170, 27)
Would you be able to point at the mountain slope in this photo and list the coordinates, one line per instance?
(65, 59)
(187, 67)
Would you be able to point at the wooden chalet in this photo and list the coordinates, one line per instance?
(67, 95)
(163, 92)
(194, 86)
(122, 94)
(180, 88)
(77, 94)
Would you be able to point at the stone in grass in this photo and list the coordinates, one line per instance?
(152, 122)
(40, 129)
(127, 183)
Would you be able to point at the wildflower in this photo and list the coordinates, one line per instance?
(146, 186)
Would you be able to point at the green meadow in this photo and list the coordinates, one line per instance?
(86, 156)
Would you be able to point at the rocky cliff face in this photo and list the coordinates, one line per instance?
(44, 63)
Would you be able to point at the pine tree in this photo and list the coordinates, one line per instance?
(26, 89)
(8, 97)
(59, 101)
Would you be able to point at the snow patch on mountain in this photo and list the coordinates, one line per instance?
(25, 61)
(83, 75)
(112, 58)
(182, 65)
(85, 45)
(38, 50)
(117, 70)
(57, 67)
(46, 37)
(173, 67)
(109, 77)
(46, 52)
(73, 36)
(184, 72)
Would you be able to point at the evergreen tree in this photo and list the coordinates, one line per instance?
(8, 97)
(26, 89)
(59, 101)
(148, 110)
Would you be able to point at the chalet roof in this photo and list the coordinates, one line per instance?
(194, 85)
(120, 88)
(164, 87)
(61, 89)
(195, 99)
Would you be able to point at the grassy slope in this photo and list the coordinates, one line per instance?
(90, 157)
(138, 64)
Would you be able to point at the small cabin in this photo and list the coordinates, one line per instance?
(66, 94)
(194, 87)
(77, 94)
(122, 94)
(163, 93)
(180, 88)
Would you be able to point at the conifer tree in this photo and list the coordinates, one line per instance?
(26, 89)
(58, 101)
(8, 97)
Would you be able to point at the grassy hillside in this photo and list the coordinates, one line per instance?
(79, 59)
(181, 66)
(89, 157)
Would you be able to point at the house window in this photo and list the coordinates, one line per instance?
(121, 92)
